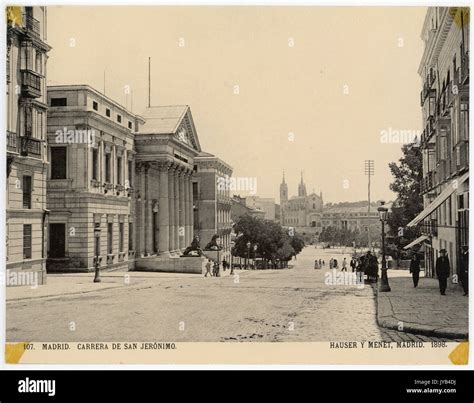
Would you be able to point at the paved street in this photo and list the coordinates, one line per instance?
(262, 305)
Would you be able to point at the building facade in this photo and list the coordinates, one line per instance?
(265, 204)
(302, 212)
(444, 71)
(91, 176)
(212, 205)
(27, 162)
(120, 185)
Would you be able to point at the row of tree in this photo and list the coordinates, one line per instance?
(258, 238)
(346, 236)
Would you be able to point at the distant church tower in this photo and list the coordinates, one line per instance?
(302, 187)
(283, 191)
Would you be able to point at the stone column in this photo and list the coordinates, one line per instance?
(148, 217)
(182, 211)
(190, 209)
(187, 240)
(171, 203)
(163, 212)
(176, 210)
(140, 230)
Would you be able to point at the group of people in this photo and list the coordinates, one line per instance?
(215, 266)
(364, 265)
(443, 270)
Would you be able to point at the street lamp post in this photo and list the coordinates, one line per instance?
(255, 247)
(248, 254)
(384, 286)
(97, 253)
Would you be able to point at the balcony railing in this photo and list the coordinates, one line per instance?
(31, 24)
(30, 147)
(430, 227)
(30, 84)
(427, 183)
(12, 142)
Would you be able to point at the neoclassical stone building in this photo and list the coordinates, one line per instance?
(119, 186)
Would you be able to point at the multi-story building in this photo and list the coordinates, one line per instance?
(26, 213)
(91, 177)
(355, 218)
(239, 208)
(212, 202)
(444, 70)
(302, 212)
(265, 204)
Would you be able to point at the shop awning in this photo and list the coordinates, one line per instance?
(448, 191)
(416, 242)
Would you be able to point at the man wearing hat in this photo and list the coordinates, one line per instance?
(442, 271)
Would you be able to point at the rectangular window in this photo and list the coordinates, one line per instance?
(110, 238)
(119, 118)
(130, 125)
(195, 191)
(130, 236)
(107, 112)
(27, 191)
(108, 178)
(58, 162)
(95, 164)
(26, 241)
(121, 237)
(58, 101)
(119, 170)
(95, 106)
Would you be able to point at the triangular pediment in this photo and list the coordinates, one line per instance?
(186, 131)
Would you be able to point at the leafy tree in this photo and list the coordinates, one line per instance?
(408, 174)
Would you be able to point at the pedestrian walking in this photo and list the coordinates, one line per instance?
(324, 263)
(415, 269)
(344, 265)
(225, 265)
(316, 264)
(353, 264)
(320, 263)
(334, 262)
(443, 269)
(215, 270)
(360, 270)
(330, 263)
(464, 274)
(208, 268)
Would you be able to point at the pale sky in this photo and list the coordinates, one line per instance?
(351, 73)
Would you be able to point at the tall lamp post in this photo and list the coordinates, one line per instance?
(384, 286)
(97, 253)
(248, 254)
(255, 247)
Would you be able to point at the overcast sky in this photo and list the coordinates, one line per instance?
(350, 74)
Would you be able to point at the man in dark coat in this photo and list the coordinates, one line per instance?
(465, 269)
(415, 269)
(442, 271)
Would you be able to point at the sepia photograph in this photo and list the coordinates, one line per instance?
(237, 184)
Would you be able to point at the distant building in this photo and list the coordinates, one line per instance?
(27, 158)
(302, 212)
(444, 71)
(265, 204)
(212, 203)
(352, 218)
(239, 208)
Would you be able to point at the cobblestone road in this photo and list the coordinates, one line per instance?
(264, 305)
